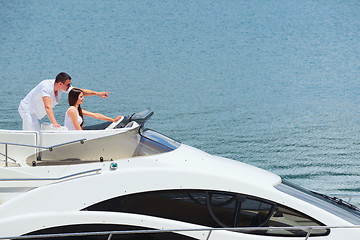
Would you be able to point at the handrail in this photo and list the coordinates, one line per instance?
(52, 179)
(8, 157)
(110, 234)
(51, 148)
(348, 196)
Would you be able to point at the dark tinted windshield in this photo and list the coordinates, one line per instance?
(160, 138)
(152, 142)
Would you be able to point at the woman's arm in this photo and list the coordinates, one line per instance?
(100, 116)
(74, 118)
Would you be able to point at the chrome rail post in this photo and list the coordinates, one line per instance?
(6, 155)
(208, 237)
(38, 143)
(110, 236)
(309, 230)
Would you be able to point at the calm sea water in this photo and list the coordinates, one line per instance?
(271, 83)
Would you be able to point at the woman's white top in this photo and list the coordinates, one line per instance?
(68, 122)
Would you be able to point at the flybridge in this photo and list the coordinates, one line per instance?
(21, 148)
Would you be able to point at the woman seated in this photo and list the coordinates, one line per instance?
(74, 119)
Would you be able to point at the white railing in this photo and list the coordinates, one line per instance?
(348, 198)
(93, 171)
(110, 234)
(33, 146)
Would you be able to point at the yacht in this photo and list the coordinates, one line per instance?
(125, 177)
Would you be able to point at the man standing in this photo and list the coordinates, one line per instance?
(40, 101)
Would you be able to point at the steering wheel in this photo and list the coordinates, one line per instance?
(114, 124)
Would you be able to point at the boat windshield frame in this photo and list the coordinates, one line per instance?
(341, 210)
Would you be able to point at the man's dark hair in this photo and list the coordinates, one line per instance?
(62, 77)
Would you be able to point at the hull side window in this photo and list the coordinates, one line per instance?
(213, 209)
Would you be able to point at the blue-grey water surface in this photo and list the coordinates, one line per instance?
(271, 83)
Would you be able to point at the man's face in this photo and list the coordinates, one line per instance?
(66, 85)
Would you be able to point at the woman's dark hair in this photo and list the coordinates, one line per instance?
(62, 77)
(73, 97)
